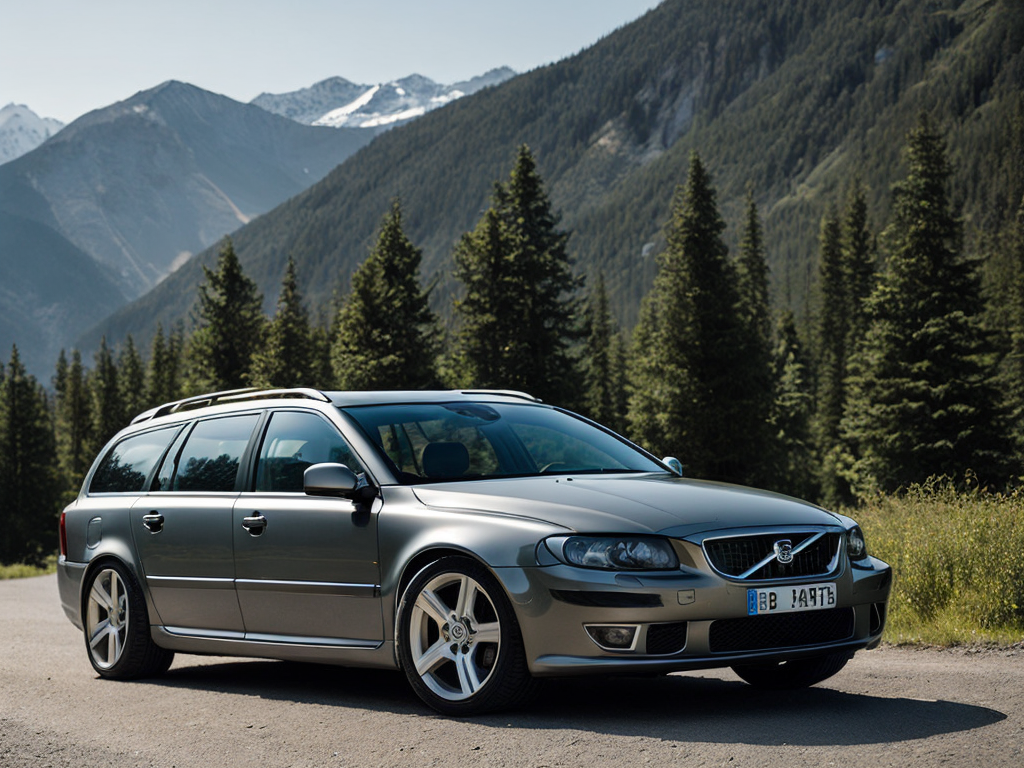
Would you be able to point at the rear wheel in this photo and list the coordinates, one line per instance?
(798, 673)
(117, 627)
(459, 642)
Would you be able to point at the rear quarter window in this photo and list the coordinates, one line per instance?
(125, 468)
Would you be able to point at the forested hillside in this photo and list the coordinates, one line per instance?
(791, 100)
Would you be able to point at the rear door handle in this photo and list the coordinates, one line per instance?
(154, 522)
(255, 525)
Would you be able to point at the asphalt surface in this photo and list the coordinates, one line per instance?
(890, 707)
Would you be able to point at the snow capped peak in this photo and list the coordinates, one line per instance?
(22, 130)
(338, 103)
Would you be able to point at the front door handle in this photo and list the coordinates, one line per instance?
(154, 522)
(255, 525)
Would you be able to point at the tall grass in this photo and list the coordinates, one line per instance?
(22, 571)
(958, 558)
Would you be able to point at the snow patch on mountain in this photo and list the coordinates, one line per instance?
(338, 103)
(22, 130)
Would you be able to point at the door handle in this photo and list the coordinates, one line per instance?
(255, 525)
(154, 522)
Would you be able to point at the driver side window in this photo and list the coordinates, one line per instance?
(295, 441)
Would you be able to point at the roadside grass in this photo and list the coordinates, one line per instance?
(22, 571)
(958, 558)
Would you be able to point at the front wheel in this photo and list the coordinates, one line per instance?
(459, 642)
(799, 673)
(117, 627)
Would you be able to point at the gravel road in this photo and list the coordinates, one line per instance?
(890, 707)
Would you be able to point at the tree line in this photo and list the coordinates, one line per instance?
(901, 374)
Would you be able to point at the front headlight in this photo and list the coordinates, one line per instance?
(856, 548)
(629, 553)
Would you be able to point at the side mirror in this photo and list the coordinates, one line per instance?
(329, 480)
(669, 461)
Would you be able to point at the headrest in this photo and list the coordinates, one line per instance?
(445, 460)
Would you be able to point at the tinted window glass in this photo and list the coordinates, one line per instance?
(295, 441)
(211, 455)
(129, 463)
(447, 441)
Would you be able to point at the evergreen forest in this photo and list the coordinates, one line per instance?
(907, 367)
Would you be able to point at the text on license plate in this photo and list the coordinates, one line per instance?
(805, 597)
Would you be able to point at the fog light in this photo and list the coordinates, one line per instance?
(614, 637)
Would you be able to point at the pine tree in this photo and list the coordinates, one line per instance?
(1013, 366)
(73, 425)
(231, 326)
(858, 250)
(921, 400)
(755, 371)
(385, 334)
(833, 335)
(791, 417)
(131, 380)
(108, 412)
(28, 491)
(689, 343)
(518, 313)
(163, 376)
(602, 388)
(286, 359)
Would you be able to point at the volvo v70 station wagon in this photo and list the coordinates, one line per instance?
(478, 541)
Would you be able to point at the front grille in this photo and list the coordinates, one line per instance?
(663, 639)
(735, 555)
(785, 630)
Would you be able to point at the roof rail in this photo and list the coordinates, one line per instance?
(230, 395)
(505, 392)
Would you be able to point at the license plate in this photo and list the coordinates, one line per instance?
(806, 597)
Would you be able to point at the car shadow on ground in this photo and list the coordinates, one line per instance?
(672, 707)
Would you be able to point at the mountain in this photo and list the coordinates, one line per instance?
(142, 185)
(22, 130)
(792, 100)
(337, 103)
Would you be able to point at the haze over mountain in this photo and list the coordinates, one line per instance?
(337, 103)
(22, 130)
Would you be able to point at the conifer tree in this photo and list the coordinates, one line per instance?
(755, 372)
(689, 343)
(108, 412)
(602, 387)
(231, 326)
(833, 335)
(163, 376)
(518, 312)
(791, 417)
(28, 491)
(286, 359)
(131, 380)
(73, 424)
(385, 334)
(858, 250)
(1013, 366)
(921, 400)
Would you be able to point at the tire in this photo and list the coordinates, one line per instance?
(116, 625)
(799, 673)
(459, 642)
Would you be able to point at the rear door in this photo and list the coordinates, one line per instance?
(306, 567)
(183, 527)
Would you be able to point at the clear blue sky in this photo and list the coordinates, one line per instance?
(63, 58)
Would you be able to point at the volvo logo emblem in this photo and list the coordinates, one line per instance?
(784, 551)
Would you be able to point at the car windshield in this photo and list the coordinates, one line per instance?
(435, 442)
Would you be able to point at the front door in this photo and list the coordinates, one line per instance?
(306, 567)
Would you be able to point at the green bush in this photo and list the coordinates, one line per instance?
(958, 558)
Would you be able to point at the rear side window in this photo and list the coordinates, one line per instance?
(126, 467)
(211, 456)
(294, 442)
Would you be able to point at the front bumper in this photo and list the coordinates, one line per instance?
(686, 619)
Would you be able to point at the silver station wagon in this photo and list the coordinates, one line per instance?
(478, 541)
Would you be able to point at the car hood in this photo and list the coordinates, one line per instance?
(654, 503)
